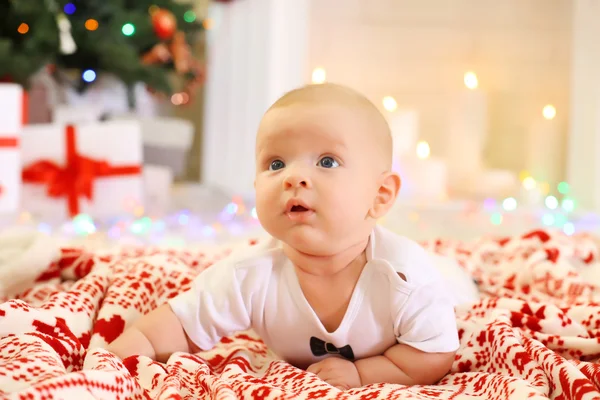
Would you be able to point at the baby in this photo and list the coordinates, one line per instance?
(331, 292)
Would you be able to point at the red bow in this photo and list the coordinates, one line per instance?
(8, 142)
(77, 177)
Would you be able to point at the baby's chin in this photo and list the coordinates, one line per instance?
(311, 250)
(311, 242)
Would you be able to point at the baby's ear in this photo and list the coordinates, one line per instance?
(389, 186)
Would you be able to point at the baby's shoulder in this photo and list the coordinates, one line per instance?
(259, 258)
(404, 258)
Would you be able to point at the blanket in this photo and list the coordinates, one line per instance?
(534, 333)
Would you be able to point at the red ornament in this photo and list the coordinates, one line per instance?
(164, 24)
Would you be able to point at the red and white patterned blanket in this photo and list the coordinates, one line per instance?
(534, 334)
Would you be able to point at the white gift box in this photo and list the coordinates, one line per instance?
(93, 169)
(12, 114)
(80, 114)
(158, 182)
(161, 149)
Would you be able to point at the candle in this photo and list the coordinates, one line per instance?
(467, 134)
(545, 155)
(404, 126)
(492, 183)
(423, 177)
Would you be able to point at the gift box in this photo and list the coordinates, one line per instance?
(158, 182)
(170, 150)
(93, 169)
(12, 116)
(80, 114)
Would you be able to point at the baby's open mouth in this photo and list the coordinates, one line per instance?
(298, 209)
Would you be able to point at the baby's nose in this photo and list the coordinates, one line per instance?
(296, 180)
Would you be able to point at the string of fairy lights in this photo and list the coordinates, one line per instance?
(238, 218)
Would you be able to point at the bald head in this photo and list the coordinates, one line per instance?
(378, 130)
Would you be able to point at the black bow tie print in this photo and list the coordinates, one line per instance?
(320, 348)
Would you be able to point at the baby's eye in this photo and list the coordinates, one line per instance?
(328, 162)
(276, 164)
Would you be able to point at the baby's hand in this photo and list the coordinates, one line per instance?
(337, 372)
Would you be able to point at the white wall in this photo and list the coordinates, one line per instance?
(418, 51)
(256, 52)
(583, 167)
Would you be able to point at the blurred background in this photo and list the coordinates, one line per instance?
(494, 108)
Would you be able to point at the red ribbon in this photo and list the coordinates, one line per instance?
(8, 142)
(25, 108)
(77, 177)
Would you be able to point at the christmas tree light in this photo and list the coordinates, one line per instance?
(91, 24)
(23, 28)
(89, 75)
(189, 16)
(128, 29)
(69, 8)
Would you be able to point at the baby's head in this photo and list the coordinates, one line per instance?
(323, 169)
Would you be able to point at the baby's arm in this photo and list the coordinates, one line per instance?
(427, 341)
(217, 304)
(156, 335)
(405, 365)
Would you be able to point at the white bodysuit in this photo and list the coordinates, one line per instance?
(257, 288)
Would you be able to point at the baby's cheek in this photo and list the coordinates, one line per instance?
(353, 202)
(262, 206)
(265, 190)
(345, 213)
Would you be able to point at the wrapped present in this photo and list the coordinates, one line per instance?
(158, 182)
(80, 114)
(166, 150)
(12, 117)
(93, 169)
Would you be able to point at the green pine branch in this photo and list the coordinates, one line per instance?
(105, 50)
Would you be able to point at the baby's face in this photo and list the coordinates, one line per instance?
(316, 177)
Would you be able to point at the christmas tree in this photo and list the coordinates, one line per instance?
(29, 39)
(134, 40)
